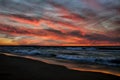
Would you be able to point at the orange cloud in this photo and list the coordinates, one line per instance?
(6, 41)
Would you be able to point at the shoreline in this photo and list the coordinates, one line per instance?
(19, 68)
(53, 62)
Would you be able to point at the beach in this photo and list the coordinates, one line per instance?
(17, 68)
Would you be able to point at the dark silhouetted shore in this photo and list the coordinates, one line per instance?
(16, 68)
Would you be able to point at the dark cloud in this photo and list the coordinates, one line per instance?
(55, 31)
(95, 37)
(76, 33)
(21, 31)
(100, 37)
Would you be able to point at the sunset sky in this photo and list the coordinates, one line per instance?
(60, 22)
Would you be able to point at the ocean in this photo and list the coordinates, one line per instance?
(96, 59)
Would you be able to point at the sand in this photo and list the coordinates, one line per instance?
(17, 68)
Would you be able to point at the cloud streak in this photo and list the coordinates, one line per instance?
(61, 23)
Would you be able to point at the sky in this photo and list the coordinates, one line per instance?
(60, 22)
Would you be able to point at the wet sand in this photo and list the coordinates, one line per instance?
(17, 68)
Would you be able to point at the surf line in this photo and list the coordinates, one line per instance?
(69, 66)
